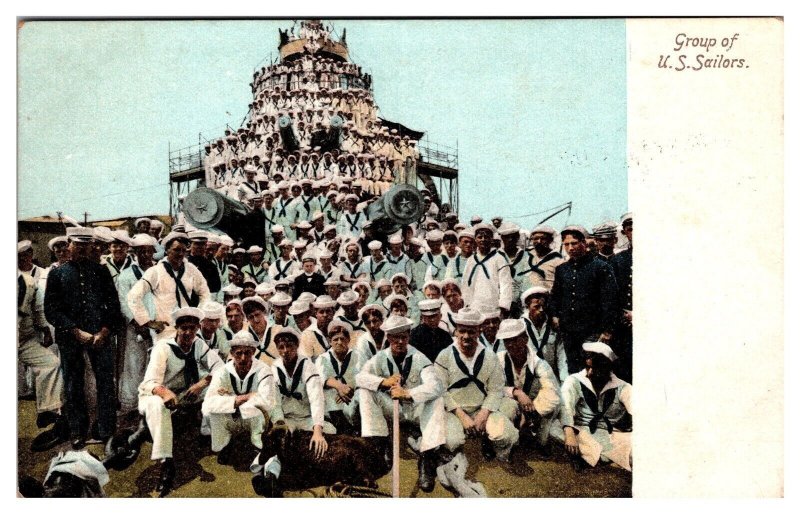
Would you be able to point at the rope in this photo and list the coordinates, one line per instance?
(354, 491)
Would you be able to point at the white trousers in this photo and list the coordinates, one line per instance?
(44, 365)
(609, 447)
(510, 408)
(134, 365)
(499, 429)
(159, 422)
(377, 407)
(224, 426)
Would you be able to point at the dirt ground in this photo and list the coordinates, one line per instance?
(199, 474)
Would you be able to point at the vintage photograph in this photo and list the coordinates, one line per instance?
(325, 258)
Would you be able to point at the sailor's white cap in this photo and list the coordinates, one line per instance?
(510, 328)
(172, 236)
(507, 229)
(24, 246)
(430, 307)
(601, 348)
(264, 288)
(371, 307)
(187, 312)
(324, 302)
(103, 234)
(232, 289)
(244, 338)
(257, 300)
(544, 229)
(290, 331)
(467, 232)
(336, 324)
(375, 245)
(347, 298)
(59, 240)
(434, 235)
(468, 317)
(387, 302)
(532, 291)
(213, 310)
(396, 325)
(575, 230)
(299, 307)
(400, 275)
(280, 299)
(79, 234)
(483, 226)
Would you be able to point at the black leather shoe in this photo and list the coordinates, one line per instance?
(167, 477)
(79, 443)
(266, 485)
(427, 471)
(45, 419)
(48, 439)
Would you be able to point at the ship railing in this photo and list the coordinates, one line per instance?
(439, 154)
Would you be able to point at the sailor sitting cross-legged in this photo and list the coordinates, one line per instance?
(237, 395)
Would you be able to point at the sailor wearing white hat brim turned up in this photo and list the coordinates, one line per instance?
(178, 373)
(300, 401)
(532, 392)
(239, 393)
(596, 412)
(474, 380)
(401, 372)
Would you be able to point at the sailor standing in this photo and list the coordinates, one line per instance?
(487, 279)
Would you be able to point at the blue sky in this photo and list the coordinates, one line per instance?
(536, 107)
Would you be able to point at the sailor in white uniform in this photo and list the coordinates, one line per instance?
(178, 373)
(532, 392)
(172, 282)
(487, 279)
(473, 377)
(239, 393)
(403, 373)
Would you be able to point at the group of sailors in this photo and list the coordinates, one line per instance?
(481, 330)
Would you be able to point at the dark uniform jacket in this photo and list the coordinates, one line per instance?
(82, 295)
(584, 296)
(315, 284)
(623, 271)
(430, 341)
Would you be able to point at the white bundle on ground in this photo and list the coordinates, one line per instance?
(452, 476)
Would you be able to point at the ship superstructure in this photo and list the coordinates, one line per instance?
(314, 116)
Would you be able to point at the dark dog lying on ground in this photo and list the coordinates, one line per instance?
(348, 460)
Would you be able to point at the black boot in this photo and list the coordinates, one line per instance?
(165, 481)
(45, 419)
(427, 470)
(52, 437)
